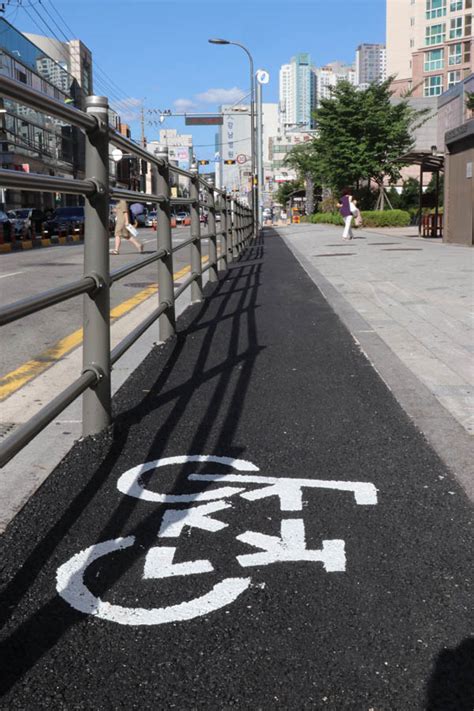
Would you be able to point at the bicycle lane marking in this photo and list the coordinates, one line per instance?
(290, 546)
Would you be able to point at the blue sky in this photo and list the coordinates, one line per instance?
(156, 51)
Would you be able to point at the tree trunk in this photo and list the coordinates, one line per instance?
(309, 194)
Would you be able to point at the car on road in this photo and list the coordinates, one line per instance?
(68, 220)
(203, 217)
(182, 217)
(6, 226)
(150, 219)
(29, 222)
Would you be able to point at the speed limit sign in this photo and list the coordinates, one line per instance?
(241, 158)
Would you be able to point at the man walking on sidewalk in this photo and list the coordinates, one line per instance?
(122, 225)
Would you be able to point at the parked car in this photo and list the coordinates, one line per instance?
(6, 226)
(66, 219)
(181, 217)
(150, 219)
(29, 222)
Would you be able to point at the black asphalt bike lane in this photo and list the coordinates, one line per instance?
(262, 371)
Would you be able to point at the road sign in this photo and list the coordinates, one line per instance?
(262, 76)
(204, 121)
(242, 158)
(116, 155)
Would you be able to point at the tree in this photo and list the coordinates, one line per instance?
(361, 136)
(470, 100)
(302, 159)
(286, 190)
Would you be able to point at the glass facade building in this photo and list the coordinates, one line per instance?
(29, 140)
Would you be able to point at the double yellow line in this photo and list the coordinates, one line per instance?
(16, 379)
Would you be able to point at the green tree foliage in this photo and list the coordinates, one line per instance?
(361, 136)
(470, 100)
(285, 191)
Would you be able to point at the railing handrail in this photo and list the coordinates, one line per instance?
(237, 230)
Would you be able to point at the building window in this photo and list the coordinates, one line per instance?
(435, 34)
(434, 60)
(455, 28)
(456, 6)
(455, 54)
(435, 8)
(467, 52)
(434, 85)
(454, 78)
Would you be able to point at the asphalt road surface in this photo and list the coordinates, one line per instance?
(24, 274)
(294, 544)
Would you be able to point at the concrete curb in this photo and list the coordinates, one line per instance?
(55, 241)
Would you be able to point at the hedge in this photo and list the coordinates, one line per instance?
(370, 218)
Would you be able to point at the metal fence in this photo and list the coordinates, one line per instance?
(237, 229)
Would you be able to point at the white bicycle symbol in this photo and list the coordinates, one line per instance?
(290, 546)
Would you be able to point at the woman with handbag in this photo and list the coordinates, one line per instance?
(344, 206)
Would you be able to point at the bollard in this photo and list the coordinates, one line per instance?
(167, 321)
(196, 264)
(96, 402)
(211, 228)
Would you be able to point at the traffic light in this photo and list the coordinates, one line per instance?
(203, 162)
(229, 162)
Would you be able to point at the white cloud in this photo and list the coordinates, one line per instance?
(184, 104)
(128, 109)
(221, 96)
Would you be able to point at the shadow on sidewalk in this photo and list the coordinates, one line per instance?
(230, 305)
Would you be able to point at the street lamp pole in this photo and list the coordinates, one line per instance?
(254, 192)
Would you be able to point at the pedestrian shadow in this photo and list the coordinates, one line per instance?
(451, 685)
(232, 305)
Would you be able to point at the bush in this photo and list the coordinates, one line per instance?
(371, 218)
(386, 218)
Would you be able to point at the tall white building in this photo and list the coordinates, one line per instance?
(328, 77)
(371, 64)
(297, 92)
(233, 143)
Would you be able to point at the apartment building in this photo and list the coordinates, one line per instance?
(329, 76)
(370, 64)
(297, 92)
(429, 44)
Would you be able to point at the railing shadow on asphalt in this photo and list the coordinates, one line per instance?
(451, 684)
(41, 631)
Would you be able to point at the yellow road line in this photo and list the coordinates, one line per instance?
(16, 379)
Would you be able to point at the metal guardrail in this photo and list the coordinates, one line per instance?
(94, 383)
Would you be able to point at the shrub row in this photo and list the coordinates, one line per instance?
(370, 218)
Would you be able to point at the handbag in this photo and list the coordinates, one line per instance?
(133, 230)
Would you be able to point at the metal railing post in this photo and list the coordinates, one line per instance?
(233, 228)
(238, 230)
(224, 221)
(96, 402)
(196, 264)
(211, 227)
(164, 241)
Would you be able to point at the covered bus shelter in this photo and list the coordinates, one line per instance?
(430, 225)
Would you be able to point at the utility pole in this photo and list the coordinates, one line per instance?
(142, 116)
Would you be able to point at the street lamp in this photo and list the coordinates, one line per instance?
(254, 193)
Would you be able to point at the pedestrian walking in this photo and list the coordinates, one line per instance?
(123, 228)
(345, 210)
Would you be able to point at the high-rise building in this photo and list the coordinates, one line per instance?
(297, 92)
(370, 64)
(29, 140)
(429, 44)
(331, 74)
(74, 57)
